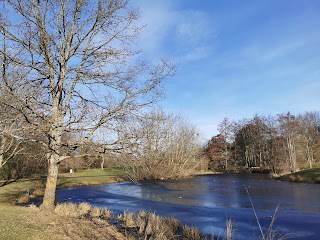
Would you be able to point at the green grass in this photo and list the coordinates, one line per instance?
(12, 191)
(306, 165)
(309, 175)
(90, 177)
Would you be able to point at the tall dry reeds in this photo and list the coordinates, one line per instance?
(83, 210)
(272, 233)
(149, 226)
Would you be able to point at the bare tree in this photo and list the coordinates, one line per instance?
(275, 144)
(225, 129)
(9, 145)
(309, 123)
(289, 130)
(163, 146)
(77, 71)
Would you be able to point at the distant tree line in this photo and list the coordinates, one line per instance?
(154, 145)
(285, 142)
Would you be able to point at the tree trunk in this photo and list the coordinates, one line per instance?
(53, 168)
(226, 162)
(1, 153)
(51, 184)
(102, 162)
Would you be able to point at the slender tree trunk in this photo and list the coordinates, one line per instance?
(291, 153)
(226, 163)
(1, 152)
(309, 152)
(310, 164)
(102, 162)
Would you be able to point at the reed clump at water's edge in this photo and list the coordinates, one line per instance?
(142, 225)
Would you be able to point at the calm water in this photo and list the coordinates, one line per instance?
(208, 201)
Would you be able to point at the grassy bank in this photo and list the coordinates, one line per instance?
(11, 192)
(309, 175)
(29, 223)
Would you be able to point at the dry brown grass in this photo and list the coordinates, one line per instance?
(82, 210)
(83, 221)
(128, 219)
(20, 223)
(191, 233)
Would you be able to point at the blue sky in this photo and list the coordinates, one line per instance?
(235, 58)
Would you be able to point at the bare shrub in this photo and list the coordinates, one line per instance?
(164, 146)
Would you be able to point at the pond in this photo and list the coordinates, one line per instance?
(208, 201)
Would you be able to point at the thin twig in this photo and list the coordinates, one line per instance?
(255, 213)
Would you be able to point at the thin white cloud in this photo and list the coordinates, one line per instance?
(182, 34)
(157, 21)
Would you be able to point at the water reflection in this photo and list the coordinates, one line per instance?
(207, 202)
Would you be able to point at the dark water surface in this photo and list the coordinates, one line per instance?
(208, 201)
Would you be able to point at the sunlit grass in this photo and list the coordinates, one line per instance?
(309, 175)
(11, 192)
(90, 177)
(17, 223)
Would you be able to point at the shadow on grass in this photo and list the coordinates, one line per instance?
(309, 175)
